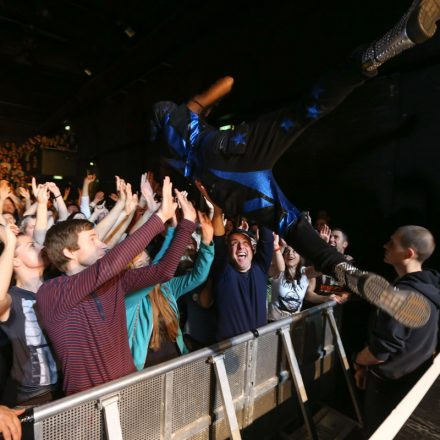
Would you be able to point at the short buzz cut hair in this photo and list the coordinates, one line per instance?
(417, 238)
(344, 234)
(64, 235)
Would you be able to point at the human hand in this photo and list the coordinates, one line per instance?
(188, 210)
(53, 188)
(10, 425)
(5, 190)
(131, 200)
(168, 205)
(325, 232)
(120, 188)
(244, 225)
(114, 197)
(148, 194)
(23, 192)
(42, 194)
(360, 378)
(89, 179)
(99, 196)
(8, 234)
(276, 240)
(66, 192)
(206, 227)
(204, 193)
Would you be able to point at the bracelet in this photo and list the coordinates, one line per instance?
(59, 195)
(276, 249)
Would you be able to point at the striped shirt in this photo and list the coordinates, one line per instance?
(84, 314)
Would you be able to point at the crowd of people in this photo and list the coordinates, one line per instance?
(90, 295)
(100, 292)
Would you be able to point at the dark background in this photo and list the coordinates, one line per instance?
(372, 164)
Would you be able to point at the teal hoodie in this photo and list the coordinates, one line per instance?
(138, 305)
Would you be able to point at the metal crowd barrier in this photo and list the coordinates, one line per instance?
(211, 393)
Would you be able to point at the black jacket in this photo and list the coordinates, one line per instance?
(404, 349)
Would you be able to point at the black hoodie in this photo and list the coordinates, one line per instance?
(404, 349)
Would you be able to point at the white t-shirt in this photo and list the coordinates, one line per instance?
(287, 296)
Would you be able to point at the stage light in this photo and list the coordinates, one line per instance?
(92, 163)
(57, 177)
(226, 127)
(67, 127)
(87, 71)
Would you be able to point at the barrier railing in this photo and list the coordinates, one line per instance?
(211, 393)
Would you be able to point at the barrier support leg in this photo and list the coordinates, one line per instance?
(344, 363)
(225, 390)
(111, 417)
(298, 382)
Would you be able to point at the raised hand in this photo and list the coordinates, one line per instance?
(5, 190)
(325, 233)
(53, 188)
(168, 205)
(23, 192)
(131, 200)
(42, 194)
(187, 207)
(89, 178)
(99, 196)
(206, 227)
(66, 192)
(8, 234)
(148, 193)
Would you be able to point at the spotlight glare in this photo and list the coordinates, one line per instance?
(92, 163)
(67, 127)
(225, 127)
(57, 177)
(87, 71)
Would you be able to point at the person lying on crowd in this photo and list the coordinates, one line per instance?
(290, 281)
(152, 313)
(10, 426)
(83, 310)
(236, 165)
(33, 369)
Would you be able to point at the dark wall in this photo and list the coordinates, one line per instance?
(372, 164)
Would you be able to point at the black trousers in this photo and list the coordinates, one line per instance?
(383, 395)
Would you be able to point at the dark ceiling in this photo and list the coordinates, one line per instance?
(60, 57)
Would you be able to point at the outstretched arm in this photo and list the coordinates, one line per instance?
(9, 239)
(104, 226)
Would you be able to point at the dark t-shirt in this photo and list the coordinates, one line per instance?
(241, 296)
(33, 366)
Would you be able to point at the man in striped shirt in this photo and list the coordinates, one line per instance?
(83, 311)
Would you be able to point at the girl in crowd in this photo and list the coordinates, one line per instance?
(152, 314)
(290, 283)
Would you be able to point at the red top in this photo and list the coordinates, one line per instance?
(84, 314)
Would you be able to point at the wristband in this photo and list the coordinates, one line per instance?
(59, 195)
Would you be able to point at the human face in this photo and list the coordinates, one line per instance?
(240, 252)
(337, 240)
(395, 253)
(8, 206)
(28, 253)
(30, 226)
(91, 248)
(291, 257)
(10, 219)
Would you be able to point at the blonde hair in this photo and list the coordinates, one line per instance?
(161, 308)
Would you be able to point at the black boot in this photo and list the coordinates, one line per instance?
(415, 27)
(409, 308)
